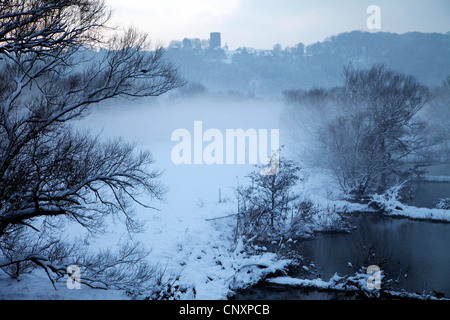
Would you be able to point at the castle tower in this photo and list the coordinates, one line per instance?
(214, 40)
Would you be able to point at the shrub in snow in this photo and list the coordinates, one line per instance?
(300, 224)
(169, 289)
(269, 209)
(390, 200)
(443, 204)
(266, 203)
(310, 217)
(329, 219)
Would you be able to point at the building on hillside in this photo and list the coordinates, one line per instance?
(214, 40)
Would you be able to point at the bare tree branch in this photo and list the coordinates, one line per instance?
(56, 62)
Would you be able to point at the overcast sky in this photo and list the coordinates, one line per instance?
(263, 23)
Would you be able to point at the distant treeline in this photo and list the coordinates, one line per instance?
(270, 72)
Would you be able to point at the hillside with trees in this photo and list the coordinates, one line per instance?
(249, 71)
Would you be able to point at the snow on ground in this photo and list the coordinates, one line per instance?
(37, 286)
(183, 240)
(392, 207)
(181, 236)
(186, 242)
(432, 178)
(184, 235)
(420, 213)
(358, 283)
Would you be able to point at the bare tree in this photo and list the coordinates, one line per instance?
(437, 113)
(376, 136)
(266, 202)
(55, 63)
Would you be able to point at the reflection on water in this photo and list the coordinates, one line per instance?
(269, 291)
(414, 253)
(426, 194)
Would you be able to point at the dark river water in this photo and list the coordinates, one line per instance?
(426, 194)
(416, 254)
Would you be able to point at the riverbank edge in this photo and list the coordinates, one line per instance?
(382, 294)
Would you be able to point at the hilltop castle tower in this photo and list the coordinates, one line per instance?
(214, 40)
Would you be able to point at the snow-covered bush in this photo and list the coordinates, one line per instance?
(443, 204)
(169, 289)
(328, 219)
(390, 200)
(266, 203)
(270, 210)
(299, 225)
(310, 217)
(362, 283)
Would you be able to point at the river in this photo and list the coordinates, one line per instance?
(416, 253)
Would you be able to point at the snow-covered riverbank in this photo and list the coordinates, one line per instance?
(187, 243)
(184, 245)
